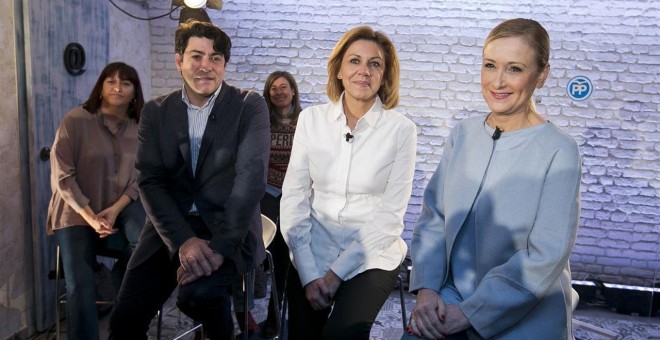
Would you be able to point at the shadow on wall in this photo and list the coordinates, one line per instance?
(617, 243)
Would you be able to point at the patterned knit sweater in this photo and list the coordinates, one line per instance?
(281, 141)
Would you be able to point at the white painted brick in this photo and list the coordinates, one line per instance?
(439, 44)
(612, 268)
(590, 250)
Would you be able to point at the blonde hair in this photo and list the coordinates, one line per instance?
(532, 33)
(389, 89)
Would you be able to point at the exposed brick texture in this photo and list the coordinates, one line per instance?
(614, 43)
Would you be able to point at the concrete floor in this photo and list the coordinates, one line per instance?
(388, 323)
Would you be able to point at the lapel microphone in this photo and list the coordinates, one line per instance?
(349, 137)
(212, 117)
(497, 133)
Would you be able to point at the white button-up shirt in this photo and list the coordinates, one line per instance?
(197, 119)
(343, 201)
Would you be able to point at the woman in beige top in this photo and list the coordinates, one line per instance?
(94, 191)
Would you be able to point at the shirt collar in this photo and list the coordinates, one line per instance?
(184, 97)
(371, 117)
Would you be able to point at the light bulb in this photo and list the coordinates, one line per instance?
(195, 3)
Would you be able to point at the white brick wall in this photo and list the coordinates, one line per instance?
(614, 43)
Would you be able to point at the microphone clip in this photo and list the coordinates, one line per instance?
(349, 137)
(497, 133)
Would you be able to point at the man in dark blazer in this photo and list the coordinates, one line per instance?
(202, 157)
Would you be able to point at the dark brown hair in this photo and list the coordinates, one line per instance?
(125, 72)
(200, 29)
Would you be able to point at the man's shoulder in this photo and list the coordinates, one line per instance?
(165, 99)
(230, 93)
(246, 94)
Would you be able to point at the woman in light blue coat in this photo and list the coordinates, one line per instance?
(500, 215)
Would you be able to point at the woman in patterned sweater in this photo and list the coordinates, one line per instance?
(281, 93)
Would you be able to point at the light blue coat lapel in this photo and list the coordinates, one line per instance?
(460, 193)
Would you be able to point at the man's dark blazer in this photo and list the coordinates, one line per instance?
(229, 181)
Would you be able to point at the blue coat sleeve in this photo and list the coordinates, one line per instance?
(428, 247)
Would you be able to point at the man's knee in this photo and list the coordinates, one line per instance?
(189, 301)
(200, 297)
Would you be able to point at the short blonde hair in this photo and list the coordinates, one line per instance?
(531, 31)
(389, 88)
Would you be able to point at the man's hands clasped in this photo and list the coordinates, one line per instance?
(196, 259)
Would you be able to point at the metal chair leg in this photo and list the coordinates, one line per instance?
(403, 303)
(273, 292)
(159, 329)
(57, 293)
(194, 329)
(246, 297)
(285, 302)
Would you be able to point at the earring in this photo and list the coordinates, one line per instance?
(339, 76)
(133, 101)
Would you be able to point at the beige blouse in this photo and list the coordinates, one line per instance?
(92, 163)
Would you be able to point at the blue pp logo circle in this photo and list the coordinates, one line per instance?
(579, 88)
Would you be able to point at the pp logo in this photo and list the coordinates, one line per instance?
(579, 88)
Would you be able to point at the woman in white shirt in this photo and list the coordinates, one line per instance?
(346, 191)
